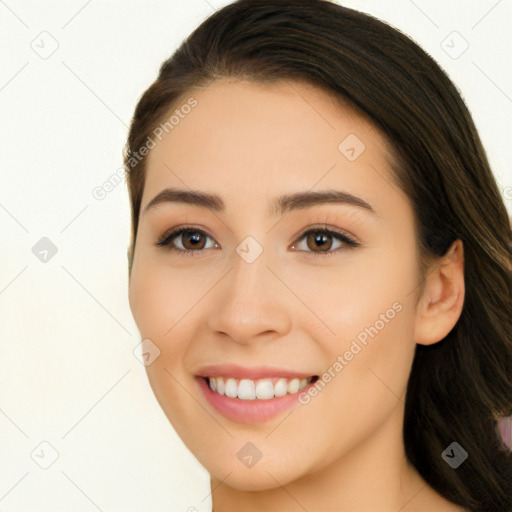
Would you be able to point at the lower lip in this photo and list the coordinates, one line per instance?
(249, 411)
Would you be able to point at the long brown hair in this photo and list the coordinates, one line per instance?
(459, 386)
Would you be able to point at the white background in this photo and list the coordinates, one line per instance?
(68, 375)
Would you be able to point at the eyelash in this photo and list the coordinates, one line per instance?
(169, 235)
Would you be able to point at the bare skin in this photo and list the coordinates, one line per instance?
(293, 307)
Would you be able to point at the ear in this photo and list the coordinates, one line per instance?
(442, 299)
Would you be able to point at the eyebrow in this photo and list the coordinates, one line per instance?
(279, 206)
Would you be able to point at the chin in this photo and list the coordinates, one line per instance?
(247, 480)
(261, 477)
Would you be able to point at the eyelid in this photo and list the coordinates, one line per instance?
(330, 229)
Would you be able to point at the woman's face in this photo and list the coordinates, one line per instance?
(269, 296)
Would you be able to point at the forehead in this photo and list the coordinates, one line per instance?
(253, 137)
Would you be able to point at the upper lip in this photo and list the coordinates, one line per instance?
(249, 372)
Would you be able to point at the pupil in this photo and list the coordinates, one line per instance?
(322, 240)
(195, 238)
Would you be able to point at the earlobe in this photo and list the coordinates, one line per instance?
(441, 303)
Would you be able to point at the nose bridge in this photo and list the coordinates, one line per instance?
(249, 303)
(250, 275)
(249, 284)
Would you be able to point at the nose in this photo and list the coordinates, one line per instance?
(250, 303)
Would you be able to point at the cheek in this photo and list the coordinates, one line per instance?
(161, 298)
(377, 358)
(165, 304)
(364, 290)
(159, 305)
(369, 309)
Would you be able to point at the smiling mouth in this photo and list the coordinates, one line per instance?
(259, 389)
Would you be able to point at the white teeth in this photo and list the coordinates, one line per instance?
(261, 389)
(220, 386)
(264, 389)
(293, 386)
(246, 390)
(281, 387)
(231, 388)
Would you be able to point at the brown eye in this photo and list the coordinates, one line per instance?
(185, 240)
(193, 240)
(319, 240)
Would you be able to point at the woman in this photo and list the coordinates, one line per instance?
(321, 262)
